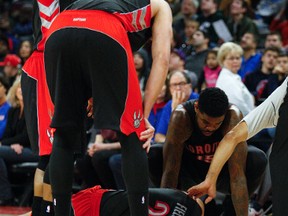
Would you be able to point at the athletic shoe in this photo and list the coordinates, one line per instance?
(254, 212)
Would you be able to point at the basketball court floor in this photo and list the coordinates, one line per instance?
(13, 210)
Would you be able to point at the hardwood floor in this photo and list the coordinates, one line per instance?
(13, 210)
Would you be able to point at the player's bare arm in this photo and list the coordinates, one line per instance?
(237, 166)
(179, 130)
(161, 43)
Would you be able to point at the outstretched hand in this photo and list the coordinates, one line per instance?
(202, 189)
(147, 135)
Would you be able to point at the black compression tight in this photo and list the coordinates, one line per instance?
(61, 168)
(135, 173)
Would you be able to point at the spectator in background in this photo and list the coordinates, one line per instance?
(211, 71)
(23, 25)
(268, 8)
(106, 145)
(141, 62)
(281, 68)
(209, 15)
(157, 109)
(238, 22)
(280, 23)
(191, 26)
(12, 65)
(4, 50)
(229, 57)
(177, 60)
(177, 63)
(274, 39)
(259, 82)
(6, 28)
(25, 50)
(224, 6)
(4, 105)
(196, 60)
(181, 90)
(14, 145)
(188, 12)
(251, 60)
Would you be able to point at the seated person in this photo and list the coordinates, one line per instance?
(14, 145)
(181, 90)
(100, 202)
(93, 167)
(4, 105)
(260, 82)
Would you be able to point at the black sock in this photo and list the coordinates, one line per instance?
(60, 204)
(36, 206)
(47, 208)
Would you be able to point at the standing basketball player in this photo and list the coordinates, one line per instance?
(38, 107)
(89, 53)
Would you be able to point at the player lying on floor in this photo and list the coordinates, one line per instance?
(96, 201)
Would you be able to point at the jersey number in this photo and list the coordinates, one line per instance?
(160, 209)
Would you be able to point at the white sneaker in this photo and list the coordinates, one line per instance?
(253, 212)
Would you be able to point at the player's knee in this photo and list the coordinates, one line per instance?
(257, 160)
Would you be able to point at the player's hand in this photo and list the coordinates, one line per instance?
(202, 189)
(90, 107)
(17, 148)
(147, 135)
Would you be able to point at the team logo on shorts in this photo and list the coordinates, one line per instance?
(50, 134)
(137, 119)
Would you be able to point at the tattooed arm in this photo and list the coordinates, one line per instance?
(179, 130)
(237, 166)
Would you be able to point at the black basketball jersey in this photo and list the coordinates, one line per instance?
(198, 146)
(44, 13)
(139, 12)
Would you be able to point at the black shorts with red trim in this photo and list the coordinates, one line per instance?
(87, 53)
(38, 106)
